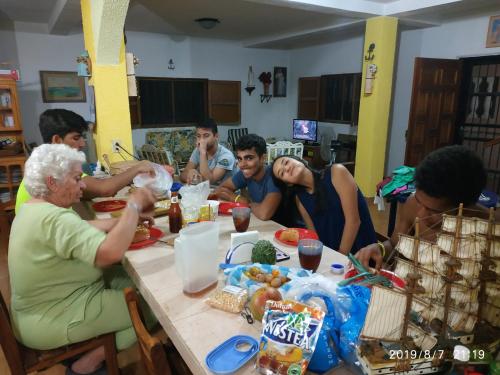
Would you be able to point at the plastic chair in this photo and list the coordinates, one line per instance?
(23, 360)
(284, 148)
(234, 134)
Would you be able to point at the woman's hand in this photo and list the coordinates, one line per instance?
(370, 252)
(145, 201)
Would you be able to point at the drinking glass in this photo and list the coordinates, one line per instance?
(241, 218)
(310, 254)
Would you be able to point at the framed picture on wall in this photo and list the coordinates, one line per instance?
(62, 87)
(493, 36)
(279, 87)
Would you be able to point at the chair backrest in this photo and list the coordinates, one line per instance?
(283, 148)
(152, 351)
(8, 341)
(234, 134)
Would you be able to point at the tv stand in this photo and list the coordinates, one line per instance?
(312, 153)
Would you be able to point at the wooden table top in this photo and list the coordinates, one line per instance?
(194, 327)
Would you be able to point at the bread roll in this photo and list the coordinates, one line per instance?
(141, 234)
(291, 235)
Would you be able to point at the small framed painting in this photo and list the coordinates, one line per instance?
(493, 36)
(62, 87)
(279, 87)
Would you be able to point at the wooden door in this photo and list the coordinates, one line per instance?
(433, 112)
(309, 89)
(224, 101)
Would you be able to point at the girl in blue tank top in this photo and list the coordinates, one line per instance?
(329, 202)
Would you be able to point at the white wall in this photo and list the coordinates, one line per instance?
(39, 51)
(216, 60)
(334, 58)
(461, 38)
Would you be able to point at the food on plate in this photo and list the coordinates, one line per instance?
(258, 301)
(291, 235)
(264, 252)
(142, 233)
(274, 278)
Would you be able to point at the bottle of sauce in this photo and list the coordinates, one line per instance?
(174, 214)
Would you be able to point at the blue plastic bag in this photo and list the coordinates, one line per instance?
(325, 355)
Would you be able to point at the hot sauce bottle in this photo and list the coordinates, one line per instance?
(174, 214)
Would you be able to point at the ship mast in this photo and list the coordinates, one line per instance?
(486, 275)
(412, 286)
(452, 264)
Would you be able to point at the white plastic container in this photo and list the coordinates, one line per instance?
(196, 256)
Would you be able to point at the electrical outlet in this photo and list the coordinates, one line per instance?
(114, 145)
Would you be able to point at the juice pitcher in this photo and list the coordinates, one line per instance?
(196, 256)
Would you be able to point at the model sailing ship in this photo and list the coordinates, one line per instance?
(452, 296)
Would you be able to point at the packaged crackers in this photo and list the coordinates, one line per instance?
(289, 335)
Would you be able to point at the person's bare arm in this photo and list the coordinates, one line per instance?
(188, 172)
(407, 213)
(346, 188)
(121, 234)
(104, 224)
(305, 215)
(226, 190)
(107, 187)
(266, 209)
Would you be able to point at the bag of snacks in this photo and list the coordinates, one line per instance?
(289, 335)
(231, 299)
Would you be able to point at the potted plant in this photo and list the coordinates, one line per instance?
(265, 78)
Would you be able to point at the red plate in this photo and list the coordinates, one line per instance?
(154, 235)
(396, 280)
(109, 206)
(303, 234)
(225, 208)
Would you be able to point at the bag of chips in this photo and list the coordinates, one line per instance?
(289, 334)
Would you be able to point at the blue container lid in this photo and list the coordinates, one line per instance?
(233, 353)
(176, 186)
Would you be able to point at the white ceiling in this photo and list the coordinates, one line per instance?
(255, 23)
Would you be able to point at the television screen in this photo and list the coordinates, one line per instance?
(305, 130)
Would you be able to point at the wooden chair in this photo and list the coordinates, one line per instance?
(158, 156)
(23, 360)
(152, 352)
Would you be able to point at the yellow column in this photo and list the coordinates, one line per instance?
(374, 109)
(103, 36)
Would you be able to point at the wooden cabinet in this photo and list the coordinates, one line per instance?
(313, 156)
(309, 97)
(224, 101)
(12, 155)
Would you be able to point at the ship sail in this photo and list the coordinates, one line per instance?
(430, 281)
(421, 339)
(428, 253)
(491, 314)
(384, 319)
(468, 247)
(470, 225)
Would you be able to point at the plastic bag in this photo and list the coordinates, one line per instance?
(325, 355)
(160, 183)
(194, 195)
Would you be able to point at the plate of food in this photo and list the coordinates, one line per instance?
(291, 236)
(145, 236)
(109, 205)
(226, 208)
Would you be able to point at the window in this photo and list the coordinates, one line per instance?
(339, 98)
(164, 102)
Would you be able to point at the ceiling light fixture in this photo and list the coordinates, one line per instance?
(207, 23)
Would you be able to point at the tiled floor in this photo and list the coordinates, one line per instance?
(129, 359)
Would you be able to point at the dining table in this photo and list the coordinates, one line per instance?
(192, 325)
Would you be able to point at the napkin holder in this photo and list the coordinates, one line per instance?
(241, 247)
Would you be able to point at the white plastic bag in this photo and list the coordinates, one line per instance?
(193, 197)
(160, 183)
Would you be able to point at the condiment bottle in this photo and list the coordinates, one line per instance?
(174, 214)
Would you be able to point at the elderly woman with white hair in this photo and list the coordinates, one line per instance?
(61, 292)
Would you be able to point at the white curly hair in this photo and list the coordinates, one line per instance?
(54, 160)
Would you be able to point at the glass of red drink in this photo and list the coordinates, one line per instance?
(241, 218)
(310, 254)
